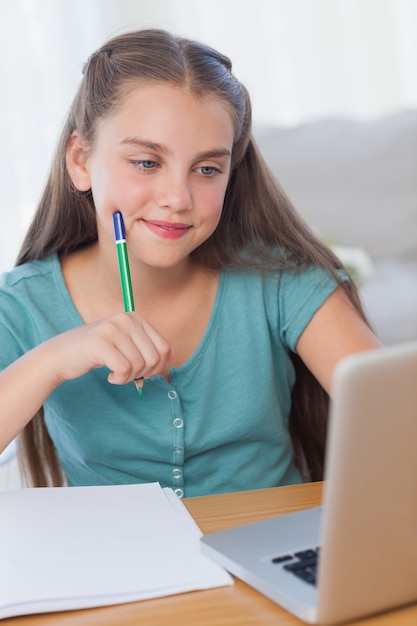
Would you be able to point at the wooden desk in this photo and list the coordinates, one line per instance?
(238, 605)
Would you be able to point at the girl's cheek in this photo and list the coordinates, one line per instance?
(134, 196)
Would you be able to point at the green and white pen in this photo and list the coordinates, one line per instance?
(124, 270)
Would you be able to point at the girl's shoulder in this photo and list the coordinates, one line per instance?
(31, 272)
(34, 302)
(27, 295)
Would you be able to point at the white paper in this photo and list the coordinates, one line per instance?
(78, 547)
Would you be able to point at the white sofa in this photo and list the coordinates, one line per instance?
(356, 183)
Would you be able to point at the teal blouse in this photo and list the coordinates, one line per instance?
(220, 424)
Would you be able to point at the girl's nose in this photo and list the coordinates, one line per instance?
(174, 193)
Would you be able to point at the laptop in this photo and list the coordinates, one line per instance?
(364, 536)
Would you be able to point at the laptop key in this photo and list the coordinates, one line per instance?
(307, 576)
(306, 554)
(298, 565)
(305, 567)
(282, 559)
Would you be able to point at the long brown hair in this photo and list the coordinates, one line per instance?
(257, 217)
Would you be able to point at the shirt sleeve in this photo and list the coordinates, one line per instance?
(300, 294)
(17, 329)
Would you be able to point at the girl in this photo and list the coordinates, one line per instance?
(242, 313)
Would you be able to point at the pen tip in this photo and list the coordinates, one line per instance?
(139, 382)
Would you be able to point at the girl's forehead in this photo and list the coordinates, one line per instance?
(144, 103)
(164, 90)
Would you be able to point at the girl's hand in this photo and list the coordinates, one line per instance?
(125, 343)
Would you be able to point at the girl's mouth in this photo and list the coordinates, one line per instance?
(167, 230)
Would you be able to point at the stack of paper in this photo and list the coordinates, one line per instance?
(81, 547)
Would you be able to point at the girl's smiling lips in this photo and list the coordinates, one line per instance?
(167, 230)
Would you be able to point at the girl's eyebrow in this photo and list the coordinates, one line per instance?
(147, 145)
(161, 149)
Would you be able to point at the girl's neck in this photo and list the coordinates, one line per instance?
(93, 281)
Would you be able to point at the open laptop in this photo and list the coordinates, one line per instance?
(365, 534)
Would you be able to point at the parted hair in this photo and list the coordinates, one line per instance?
(257, 218)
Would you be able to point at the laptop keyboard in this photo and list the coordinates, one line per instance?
(302, 564)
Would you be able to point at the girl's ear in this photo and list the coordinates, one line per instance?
(77, 159)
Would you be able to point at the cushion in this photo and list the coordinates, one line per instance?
(389, 297)
(354, 181)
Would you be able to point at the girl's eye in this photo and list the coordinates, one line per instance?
(145, 164)
(207, 170)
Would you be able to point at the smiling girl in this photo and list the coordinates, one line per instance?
(241, 312)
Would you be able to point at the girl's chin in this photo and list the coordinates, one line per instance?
(161, 262)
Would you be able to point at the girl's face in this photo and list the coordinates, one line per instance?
(163, 160)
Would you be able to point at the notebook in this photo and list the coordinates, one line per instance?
(81, 547)
(365, 534)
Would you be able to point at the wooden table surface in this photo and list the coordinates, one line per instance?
(238, 605)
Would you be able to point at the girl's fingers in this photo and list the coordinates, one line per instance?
(162, 347)
(140, 351)
(126, 344)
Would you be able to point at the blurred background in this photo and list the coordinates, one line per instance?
(300, 59)
(335, 80)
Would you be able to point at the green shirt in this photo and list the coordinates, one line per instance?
(220, 424)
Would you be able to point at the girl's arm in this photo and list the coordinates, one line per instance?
(335, 331)
(126, 344)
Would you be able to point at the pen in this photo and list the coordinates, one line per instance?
(125, 280)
